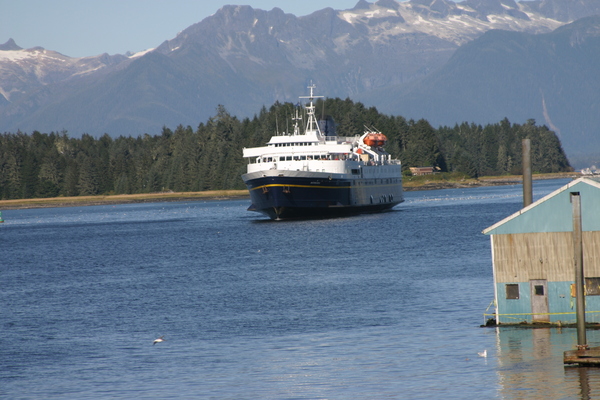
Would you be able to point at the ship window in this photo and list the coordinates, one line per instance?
(288, 158)
(303, 158)
(592, 286)
(356, 172)
(282, 158)
(512, 291)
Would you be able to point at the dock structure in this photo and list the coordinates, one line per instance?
(532, 259)
(583, 356)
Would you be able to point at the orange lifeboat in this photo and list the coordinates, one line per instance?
(371, 139)
(380, 139)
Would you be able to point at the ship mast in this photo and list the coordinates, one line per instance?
(311, 124)
(296, 119)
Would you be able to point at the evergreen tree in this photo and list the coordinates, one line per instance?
(88, 183)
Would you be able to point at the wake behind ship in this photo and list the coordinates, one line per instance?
(309, 174)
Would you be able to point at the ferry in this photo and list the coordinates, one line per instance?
(312, 172)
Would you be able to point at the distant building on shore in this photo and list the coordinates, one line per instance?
(417, 171)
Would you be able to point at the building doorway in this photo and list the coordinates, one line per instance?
(539, 300)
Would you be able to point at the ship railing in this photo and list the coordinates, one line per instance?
(341, 139)
(373, 162)
(349, 139)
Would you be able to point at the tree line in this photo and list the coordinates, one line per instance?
(210, 156)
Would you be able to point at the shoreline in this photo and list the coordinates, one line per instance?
(432, 184)
(422, 183)
(76, 201)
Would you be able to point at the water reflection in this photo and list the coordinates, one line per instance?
(530, 364)
(582, 375)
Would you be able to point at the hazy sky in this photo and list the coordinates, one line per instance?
(80, 28)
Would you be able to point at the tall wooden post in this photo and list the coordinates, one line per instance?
(527, 184)
(579, 277)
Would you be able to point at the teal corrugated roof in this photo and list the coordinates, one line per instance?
(554, 213)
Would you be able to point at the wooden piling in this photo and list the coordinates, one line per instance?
(583, 355)
(527, 177)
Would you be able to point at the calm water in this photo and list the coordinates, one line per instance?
(384, 306)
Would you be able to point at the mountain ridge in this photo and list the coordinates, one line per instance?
(244, 58)
(553, 80)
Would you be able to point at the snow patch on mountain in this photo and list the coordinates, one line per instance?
(35, 54)
(25, 70)
(144, 52)
(458, 23)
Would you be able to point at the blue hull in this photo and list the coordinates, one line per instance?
(302, 197)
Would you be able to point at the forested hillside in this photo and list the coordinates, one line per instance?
(210, 156)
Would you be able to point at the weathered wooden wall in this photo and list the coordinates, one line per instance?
(520, 257)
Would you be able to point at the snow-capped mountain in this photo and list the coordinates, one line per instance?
(551, 78)
(24, 70)
(244, 58)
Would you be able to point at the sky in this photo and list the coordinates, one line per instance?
(81, 28)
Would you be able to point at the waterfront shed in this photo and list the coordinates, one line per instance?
(533, 258)
(418, 171)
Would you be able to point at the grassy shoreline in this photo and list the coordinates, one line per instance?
(453, 181)
(428, 182)
(121, 199)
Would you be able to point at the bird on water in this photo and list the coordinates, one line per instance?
(483, 353)
(160, 339)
